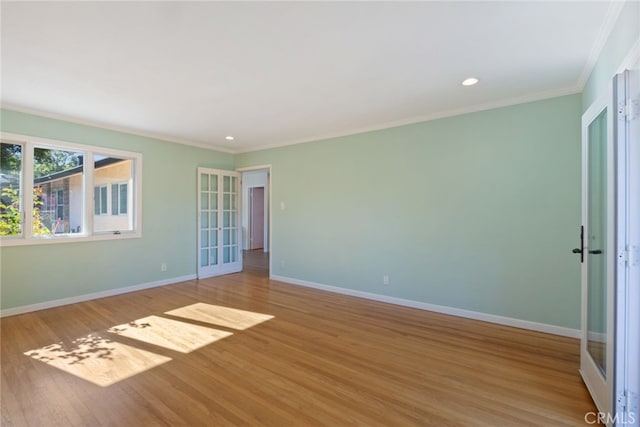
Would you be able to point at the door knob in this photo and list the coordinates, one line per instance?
(577, 251)
(595, 251)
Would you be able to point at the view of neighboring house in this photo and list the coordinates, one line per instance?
(60, 194)
(112, 195)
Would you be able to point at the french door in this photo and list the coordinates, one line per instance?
(596, 352)
(610, 216)
(219, 250)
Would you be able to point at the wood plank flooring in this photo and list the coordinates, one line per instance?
(244, 350)
(256, 262)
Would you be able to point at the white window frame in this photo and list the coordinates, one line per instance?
(87, 234)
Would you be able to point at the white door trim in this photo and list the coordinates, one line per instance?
(269, 213)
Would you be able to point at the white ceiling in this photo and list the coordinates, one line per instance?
(277, 73)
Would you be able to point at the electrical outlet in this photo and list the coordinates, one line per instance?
(385, 280)
(163, 266)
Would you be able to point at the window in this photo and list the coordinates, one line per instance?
(56, 173)
(77, 191)
(119, 199)
(114, 173)
(10, 189)
(100, 200)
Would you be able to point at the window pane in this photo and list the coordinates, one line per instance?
(204, 257)
(58, 191)
(124, 194)
(114, 174)
(100, 200)
(204, 182)
(96, 201)
(114, 199)
(10, 194)
(103, 200)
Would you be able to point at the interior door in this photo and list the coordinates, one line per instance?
(219, 250)
(596, 353)
(610, 251)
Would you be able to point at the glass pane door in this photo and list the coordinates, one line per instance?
(610, 341)
(596, 349)
(596, 242)
(219, 250)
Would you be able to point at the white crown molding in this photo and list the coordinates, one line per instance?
(397, 123)
(609, 23)
(95, 295)
(429, 117)
(122, 129)
(485, 317)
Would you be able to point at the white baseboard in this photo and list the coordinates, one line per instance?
(111, 292)
(476, 315)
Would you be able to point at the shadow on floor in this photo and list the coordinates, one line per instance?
(256, 262)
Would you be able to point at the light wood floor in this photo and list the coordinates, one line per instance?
(244, 350)
(256, 262)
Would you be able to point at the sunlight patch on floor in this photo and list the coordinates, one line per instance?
(97, 359)
(103, 361)
(221, 316)
(170, 334)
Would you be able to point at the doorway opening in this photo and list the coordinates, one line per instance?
(256, 219)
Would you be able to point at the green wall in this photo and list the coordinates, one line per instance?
(38, 273)
(477, 212)
(625, 33)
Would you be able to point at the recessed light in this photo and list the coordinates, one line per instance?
(470, 81)
(229, 138)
